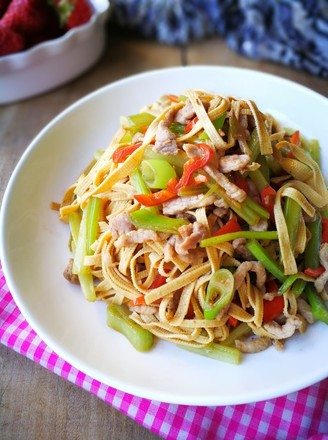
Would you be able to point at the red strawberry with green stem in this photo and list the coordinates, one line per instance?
(73, 13)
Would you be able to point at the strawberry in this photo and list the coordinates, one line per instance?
(3, 6)
(10, 41)
(73, 13)
(80, 14)
(27, 17)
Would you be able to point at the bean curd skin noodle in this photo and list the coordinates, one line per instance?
(204, 224)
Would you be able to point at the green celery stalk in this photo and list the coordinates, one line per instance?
(87, 285)
(318, 307)
(257, 208)
(119, 320)
(141, 187)
(298, 287)
(254, 145)
(145, 219)
(216, 351)
(86, 236)
(141, 120)
(273, 165)
(74, 221)
(260, 235)
(177, 160)
(218, 123)
(261, 255)
(219, 292)
(259, 180)
(93, 212)
(246, 213)
(311, 254)
(287, 284)
(292, 213)
(177, 128)
(237, 333)
(81, 246)
(157, 173)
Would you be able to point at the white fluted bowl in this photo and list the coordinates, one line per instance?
(54, 62)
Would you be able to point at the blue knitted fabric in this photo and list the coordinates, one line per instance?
(292, 32)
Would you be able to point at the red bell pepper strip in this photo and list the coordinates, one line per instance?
(173, 98)
(191, 124)
(272, 309)
(271, 286)
(324, 232)
(233, 322)
(314, 272)
(295, 138)
(159, 281)
(195, 164)
(268, 196)
(241, 182)
(140, 300)
(156, 198)
(121, 153)
(231, 226)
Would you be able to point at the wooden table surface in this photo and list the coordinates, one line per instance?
(35, 403)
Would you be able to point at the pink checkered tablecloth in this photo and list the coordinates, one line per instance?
(300, 415)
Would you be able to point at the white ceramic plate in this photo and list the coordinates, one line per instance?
(34, 248)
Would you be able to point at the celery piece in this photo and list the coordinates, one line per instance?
(257, 208)
(87, 233)
(218, 123)
(246, 213)
(87, 285)
(157, 173)
(318, 307)
(298, 287)
(97, 154)
(177, 160)
(260, 235)
(265, 171)
(177, 128)
(145, 219)
(315, 150)
(141, 187)
(287, 284)
(138, 182)
(119, 320)
(292, 213)
(93, 211)
(127, 137)
(216, 351)
(237, 333)
(193, 190)
(259, 180)
(74, 221)
(81, 245)
(254, 145)
(261, 255)
(274, 166)
(241, 209)
(311, 253)
(141, 120)
(219, 292)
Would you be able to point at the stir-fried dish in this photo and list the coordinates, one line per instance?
(204, 223)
